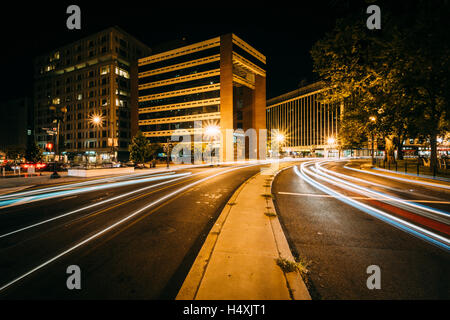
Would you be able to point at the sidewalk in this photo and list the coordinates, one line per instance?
(238, 258)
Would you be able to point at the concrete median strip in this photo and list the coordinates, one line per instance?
(238, 260)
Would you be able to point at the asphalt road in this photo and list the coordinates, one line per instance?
(138, 246)
(341, 241)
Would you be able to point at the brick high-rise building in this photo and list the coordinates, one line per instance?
(219, 82)
(95, 81)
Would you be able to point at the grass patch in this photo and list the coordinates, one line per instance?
(293, 266)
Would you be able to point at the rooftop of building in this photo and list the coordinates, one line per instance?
(180, 44)
(93, 35)
(316, 86)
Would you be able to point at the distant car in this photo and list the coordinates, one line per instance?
(139, 166)
(38, 166)
(129, 164)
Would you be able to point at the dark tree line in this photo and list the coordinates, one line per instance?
(393, 82)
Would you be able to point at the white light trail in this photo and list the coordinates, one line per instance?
(436, 185)
(183, 176)
(406, 226)
(130, 216)
(73, 185)
(381, 196)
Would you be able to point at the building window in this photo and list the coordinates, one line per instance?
(104, 70)
(122, 73)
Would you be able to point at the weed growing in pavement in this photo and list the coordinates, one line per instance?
(270, 214)
(293, 266)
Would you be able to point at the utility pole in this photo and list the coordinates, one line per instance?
(59, 118)
(167, 149)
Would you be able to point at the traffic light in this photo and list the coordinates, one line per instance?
(49, 147)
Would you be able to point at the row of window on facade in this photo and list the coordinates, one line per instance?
(91, 145)
(69, 56)
(93, 134)
(102, 71)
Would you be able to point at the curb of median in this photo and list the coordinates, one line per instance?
(296, 284)
(293, 281)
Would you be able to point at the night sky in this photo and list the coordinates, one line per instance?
(283, 31)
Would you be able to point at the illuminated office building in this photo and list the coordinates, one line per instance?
(308, 126)
(220, 82)
(92, 79)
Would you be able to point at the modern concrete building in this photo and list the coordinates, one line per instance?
(217, 83)
(16, 123)
(91, 85)
(306, 125)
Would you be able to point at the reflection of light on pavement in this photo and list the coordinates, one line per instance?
(406, 226)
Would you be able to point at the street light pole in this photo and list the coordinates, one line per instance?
(167, 150)
(373, 150)
(373, 120)
(211, 131)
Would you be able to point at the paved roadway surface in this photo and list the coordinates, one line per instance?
(146, 256)
(340, 240)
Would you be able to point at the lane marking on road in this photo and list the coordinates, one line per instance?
(118, 223)
(406, 226)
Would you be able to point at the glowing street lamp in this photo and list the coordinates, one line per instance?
(211, 132)
(280, 138)
(97, 122)
(331, 141)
